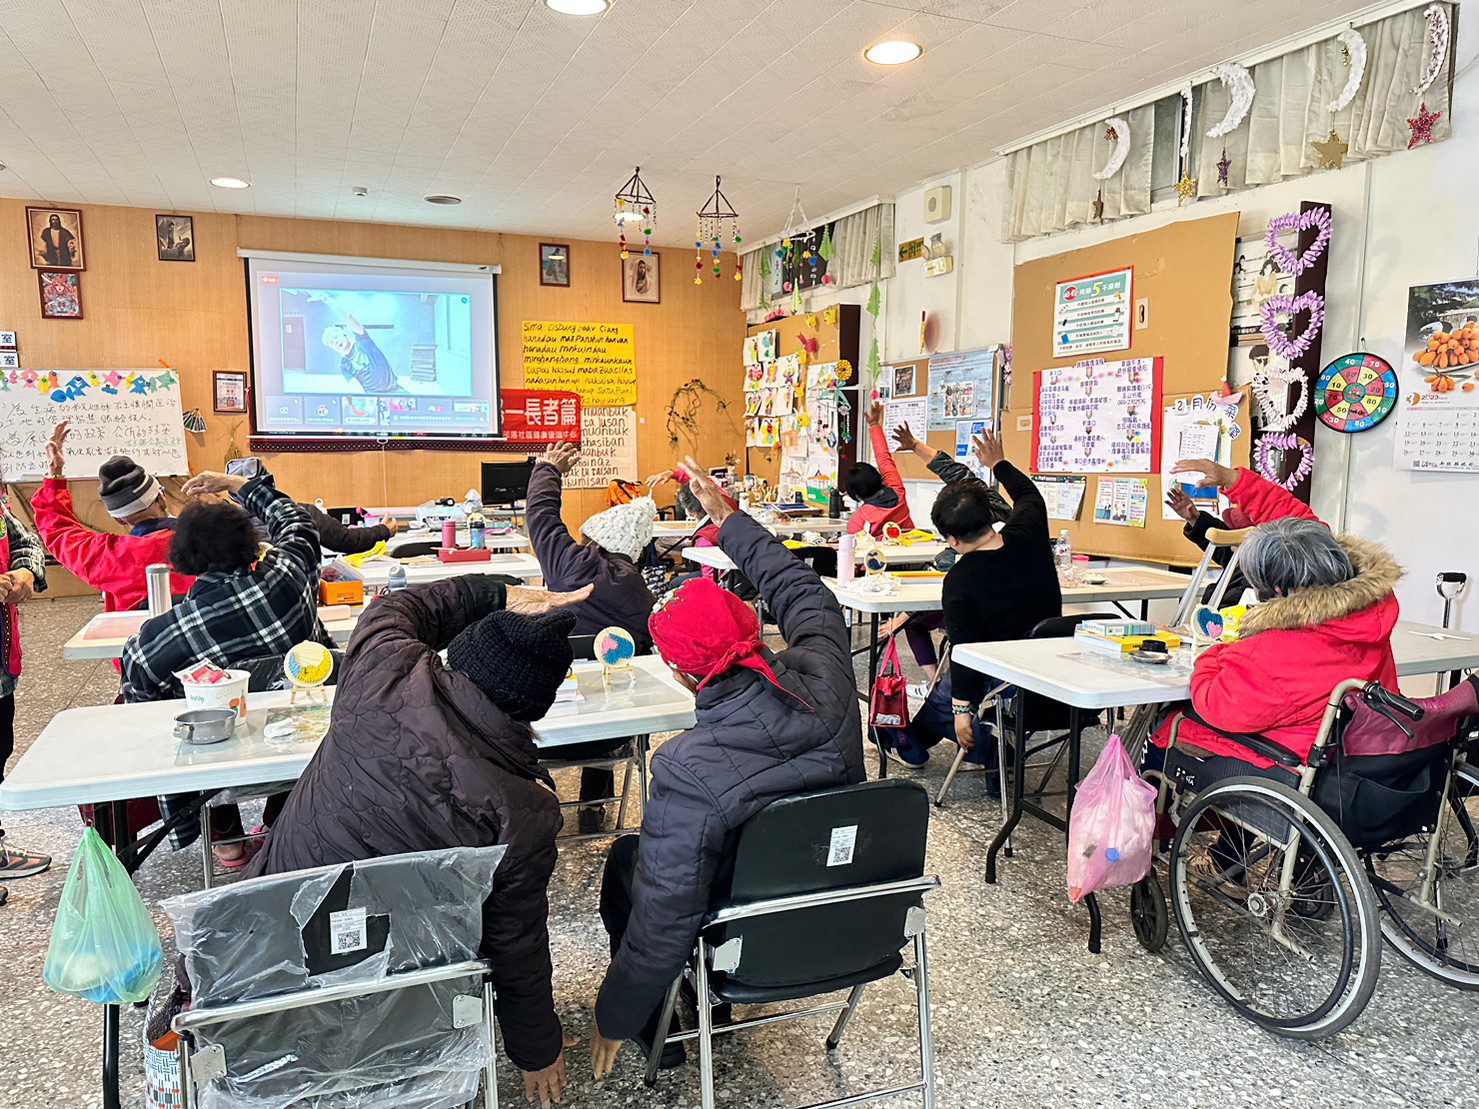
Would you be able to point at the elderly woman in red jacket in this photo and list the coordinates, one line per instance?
(1326, 614)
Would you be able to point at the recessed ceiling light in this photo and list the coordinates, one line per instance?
(893, 52)
(442, 198)
(230, 183)
(577, 7)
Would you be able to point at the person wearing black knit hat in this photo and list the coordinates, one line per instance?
(423, 755)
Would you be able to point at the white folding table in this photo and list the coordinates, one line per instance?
(376, 571)
(506, 541)
(894, 554)
(106, 633)
(1088, 680)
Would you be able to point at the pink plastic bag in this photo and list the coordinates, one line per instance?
(1113, 824)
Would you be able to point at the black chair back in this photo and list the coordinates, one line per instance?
(414, 548)
(832, 839)
(1044, 714)
(265, 672)
(349, 517)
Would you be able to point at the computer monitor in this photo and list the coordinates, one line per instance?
(505, 483)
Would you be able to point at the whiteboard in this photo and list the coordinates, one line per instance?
(132, 412)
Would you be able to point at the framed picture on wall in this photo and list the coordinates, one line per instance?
(55, 235)
(61, 294)
(230, 389)
(641, 278)
(175, 238)
(554, 264)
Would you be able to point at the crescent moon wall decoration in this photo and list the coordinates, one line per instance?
(1355, 47)
(1186, 122)
(1121, 128)
(1437, 46)
(1239, 84)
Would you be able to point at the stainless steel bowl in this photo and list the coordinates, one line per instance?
(205, 725)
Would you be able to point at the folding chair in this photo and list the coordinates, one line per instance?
(828, 889)
(349, 985)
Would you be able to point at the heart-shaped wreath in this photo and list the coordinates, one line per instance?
(1277, 338)
(1269, 468)
(1289, 262)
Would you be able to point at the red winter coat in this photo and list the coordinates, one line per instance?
(1292, 651)
(889, 505)
(112, 564)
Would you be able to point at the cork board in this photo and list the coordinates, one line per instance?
(1183, 273)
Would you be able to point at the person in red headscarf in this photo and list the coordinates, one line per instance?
(770, 725)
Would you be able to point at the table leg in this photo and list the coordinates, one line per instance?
(1145, 610)
(112, 823)
(1019, 786)
(1075, 758)
(873, 656)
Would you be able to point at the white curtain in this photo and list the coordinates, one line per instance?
(750, 279)
(1291, 108)
(853, 238)
(1053, 185)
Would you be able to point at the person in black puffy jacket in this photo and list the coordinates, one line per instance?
(770, 725)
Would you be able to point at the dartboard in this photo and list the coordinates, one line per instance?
(1356, 392)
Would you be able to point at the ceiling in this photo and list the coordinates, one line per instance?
(535, 119)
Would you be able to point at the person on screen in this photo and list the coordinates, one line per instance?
(359, 358)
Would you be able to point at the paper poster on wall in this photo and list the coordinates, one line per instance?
(1438, 417)
(905, 378)
(595, 360)
(911, 411)
(1064, 496)
(1256, 278)
(608, 448)
(1121, 501)
(1097, 417)
(1092, 314)
(134, 412)
(966, 432)
(1201, 426)
(962, 387)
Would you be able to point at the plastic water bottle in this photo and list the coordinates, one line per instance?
(477, 531)
(396, 580)
(1063, 556)
(847, 553)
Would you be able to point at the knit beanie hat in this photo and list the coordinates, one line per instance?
(124, 487)
(625, 529)
(518, 661)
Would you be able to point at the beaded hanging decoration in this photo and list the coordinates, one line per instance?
(796, 245)
(634, 203)
(717, 221)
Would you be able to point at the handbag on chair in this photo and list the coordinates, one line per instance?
(888, 705)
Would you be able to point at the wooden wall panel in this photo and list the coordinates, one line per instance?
(193, 315)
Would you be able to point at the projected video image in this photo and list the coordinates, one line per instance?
(380, 344)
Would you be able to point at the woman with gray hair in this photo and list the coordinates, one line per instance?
(1326, 614)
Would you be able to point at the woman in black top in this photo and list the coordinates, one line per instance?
(1004, 582)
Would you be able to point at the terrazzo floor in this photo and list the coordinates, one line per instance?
(1023, 1014)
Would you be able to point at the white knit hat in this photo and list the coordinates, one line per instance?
(625, 529)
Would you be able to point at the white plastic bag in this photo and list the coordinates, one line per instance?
(1110, 834)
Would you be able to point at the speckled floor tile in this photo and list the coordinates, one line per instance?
(1023, 1014)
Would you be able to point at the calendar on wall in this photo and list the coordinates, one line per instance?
(1439, 431)
(1438, 420)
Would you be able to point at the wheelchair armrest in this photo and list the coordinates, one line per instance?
(1256, 743)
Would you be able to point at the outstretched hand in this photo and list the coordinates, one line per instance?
(527, 600)
(546, 1086)
(1182, 505)
(603, 1052)
(1213, 473)
(210, 481)
(988, 449)
(875, 413)
(662, 477)
(707, 491)
(562, 456)
(905, 438)
(56, 457)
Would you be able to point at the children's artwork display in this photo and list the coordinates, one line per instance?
(1438, 419)
(773, 397)
(136, 412)
(1097, 417)
(1064, 496)
(962, 386)
(1092, 314)
(906, 411)
(1204, 425)
(752, 350)
(765, 346)
(608, 448)
(809, 456)
(1121, 501)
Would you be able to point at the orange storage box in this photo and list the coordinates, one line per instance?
(341, 592)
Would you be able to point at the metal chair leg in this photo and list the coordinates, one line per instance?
(1001, 766)
(205, 844)
(926, 1040)
(490, 1072)
(643, 752)
(182, 1060)
(950, 777)
(626, 788)
(843, 1017)
(660, 1040)
(705, 1030)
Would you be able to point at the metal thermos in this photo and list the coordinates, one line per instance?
(834, 504)
(477, 532)
(156, 578)
(449, 534)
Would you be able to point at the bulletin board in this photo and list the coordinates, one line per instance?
(1183, 282)
(910, 467)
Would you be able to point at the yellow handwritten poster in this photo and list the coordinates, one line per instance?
(593, 359)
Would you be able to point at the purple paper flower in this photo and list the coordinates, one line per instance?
(1277, 338)
(1289, 262)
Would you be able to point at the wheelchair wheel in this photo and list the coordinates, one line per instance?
(1274, 907)
(1438, 930)
(1148, 914)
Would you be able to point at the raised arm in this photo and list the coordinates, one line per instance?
(27, 556)
(559, 555)
(1029, 518)
(336, 536)
(1256, 497)
(289, 527)
(884, 459)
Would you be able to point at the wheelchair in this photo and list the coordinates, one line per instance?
(1284, 880)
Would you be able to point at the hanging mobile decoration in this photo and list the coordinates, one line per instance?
(717, 221)
(827, 252)
(1117, 131)
(1436, 42)
(1186, 188)
(1332, 151)
(794, 236)
(1224, 164)
(1355, 53)
(634, 203)
(1185, 123)
(875, 306)
(1239, 84)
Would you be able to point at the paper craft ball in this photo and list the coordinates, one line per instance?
(892, 532)
(308, 665)
(615, 646)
